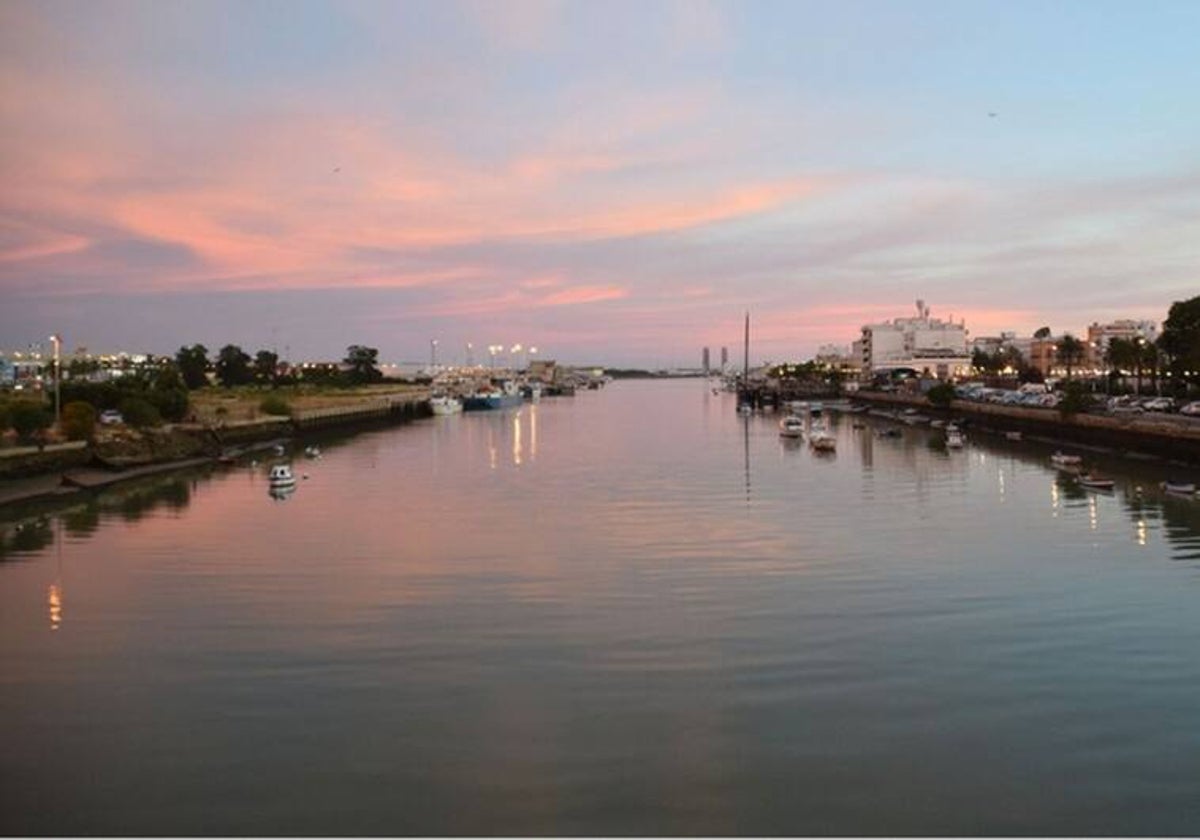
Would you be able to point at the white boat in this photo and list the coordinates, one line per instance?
(312, 451)
(443, 404)
(1096, 482)
(281, 477)
(1012, 435)
(821, 440)
(791, 427)
(1061, 459)
(1185, 488)
(954, 438)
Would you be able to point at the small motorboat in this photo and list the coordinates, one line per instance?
(1092, 481)
(1061, 459)
(745, 409)
(312, 451)
(281, 477)
(954, 438)
(791, 427)
(1012, 435)
(1183, 488)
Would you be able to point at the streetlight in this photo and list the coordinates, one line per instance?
(493, 349)
(57, 339)
(516, 348)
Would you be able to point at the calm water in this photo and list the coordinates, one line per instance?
(627, 612)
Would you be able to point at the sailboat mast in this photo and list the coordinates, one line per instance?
(746, 352)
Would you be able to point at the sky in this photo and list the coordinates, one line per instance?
(614, 183)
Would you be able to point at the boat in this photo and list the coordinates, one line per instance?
(791, 427)
(815, 408)
(1061, 459)
(280, 477)
(1185, 488)
(1096, 482)
(821, 440)
(937, 424)
(890, 432)
(1013, 435)
(954, 438)
(312, 451)
(745, 409)
(443, 404)
(492, 397)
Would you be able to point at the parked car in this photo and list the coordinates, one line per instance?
(1192, 409)
(1159, 404)
(111, 417)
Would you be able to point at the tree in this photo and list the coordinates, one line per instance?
(233, 366)
(1070, 352)
(1180, 339)
(941, 395)
(139, 413)
(79, 420)
(28, 418)
(362, 362)
(1075, 399)
(1042, 333)
(193, 365)
(265, 365)
(981, 361)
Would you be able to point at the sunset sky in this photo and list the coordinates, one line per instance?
(616, 183)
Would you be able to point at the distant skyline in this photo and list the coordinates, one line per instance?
(616, 183)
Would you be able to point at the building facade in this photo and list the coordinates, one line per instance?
(928, 345)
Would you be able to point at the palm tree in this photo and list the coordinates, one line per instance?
(1070, 352)
(1121, 354)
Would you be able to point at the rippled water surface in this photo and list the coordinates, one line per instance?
(627, 612)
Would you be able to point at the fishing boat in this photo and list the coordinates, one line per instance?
(1183, 488)
(492, 397)
(954, 438)
(1061, 459)
(1092, 481)
(443, 404)
(791, 427)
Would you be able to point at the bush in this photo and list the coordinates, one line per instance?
(79, 420)
(29, 418)
(1075, 399)
(276, 406)
(139, 413)
(171, 403)
(941, 395)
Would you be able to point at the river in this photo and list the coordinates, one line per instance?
(627, 612)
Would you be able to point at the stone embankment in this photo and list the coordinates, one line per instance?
(31, 473)
(1162, 435)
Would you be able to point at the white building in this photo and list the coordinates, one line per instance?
(928, 345)
(1099, 336)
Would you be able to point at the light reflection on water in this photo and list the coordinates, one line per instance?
(630, 612)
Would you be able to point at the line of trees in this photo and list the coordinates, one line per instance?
(233, 366)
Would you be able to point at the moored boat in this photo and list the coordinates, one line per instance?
(280, 477)
(443, 404)
(1061, 459)
(1183, 488)
(954, 438)
(1093, 481)
(791, 427)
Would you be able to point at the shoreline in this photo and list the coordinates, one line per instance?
(44, 475)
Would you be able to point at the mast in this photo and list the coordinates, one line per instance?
(746, 351)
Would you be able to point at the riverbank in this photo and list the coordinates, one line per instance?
(31, 474)
(1164, 436)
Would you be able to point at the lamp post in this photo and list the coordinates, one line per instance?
(493, 349)
(516, 348)
(57, 379)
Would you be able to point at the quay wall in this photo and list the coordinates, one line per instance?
(1165, 436)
